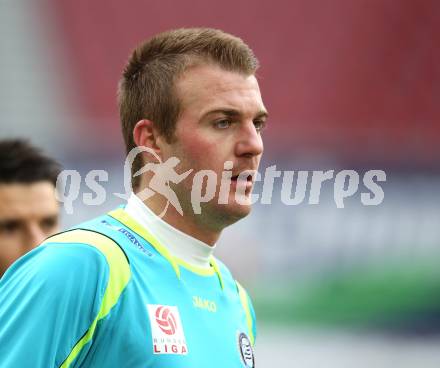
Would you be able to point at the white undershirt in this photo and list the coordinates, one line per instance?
(180, 245)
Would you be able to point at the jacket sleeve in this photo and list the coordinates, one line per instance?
(254, 318)
(48, 300)
(248, 311)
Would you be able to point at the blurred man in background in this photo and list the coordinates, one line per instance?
(28, 207)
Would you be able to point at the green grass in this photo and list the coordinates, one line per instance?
(360, 297)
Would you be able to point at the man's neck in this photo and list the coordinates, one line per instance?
(186, 223)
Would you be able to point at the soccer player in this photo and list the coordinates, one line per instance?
(139, 286)
(28, 207)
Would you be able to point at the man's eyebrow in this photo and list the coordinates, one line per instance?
(234, 113)
(50, 217)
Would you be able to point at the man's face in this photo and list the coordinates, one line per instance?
(221, 118)
(28, 215)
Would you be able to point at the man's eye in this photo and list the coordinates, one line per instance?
(48, 223)
(222, 124)
(259, 125)
(9, 227)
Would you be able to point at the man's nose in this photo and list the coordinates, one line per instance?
(35, 235)
(250, 142)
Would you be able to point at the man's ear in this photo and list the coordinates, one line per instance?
(145, 134)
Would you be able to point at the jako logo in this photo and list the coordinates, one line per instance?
(166, 320)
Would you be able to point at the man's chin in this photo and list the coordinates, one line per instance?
(221, 215)
(233, 212)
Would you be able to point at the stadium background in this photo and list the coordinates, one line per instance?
(349, 85)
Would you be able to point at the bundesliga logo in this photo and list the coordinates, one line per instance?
(166, 330)
(166, 320)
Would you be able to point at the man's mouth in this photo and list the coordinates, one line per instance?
(243, 177)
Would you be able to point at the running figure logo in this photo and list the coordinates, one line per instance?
(164, 173)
